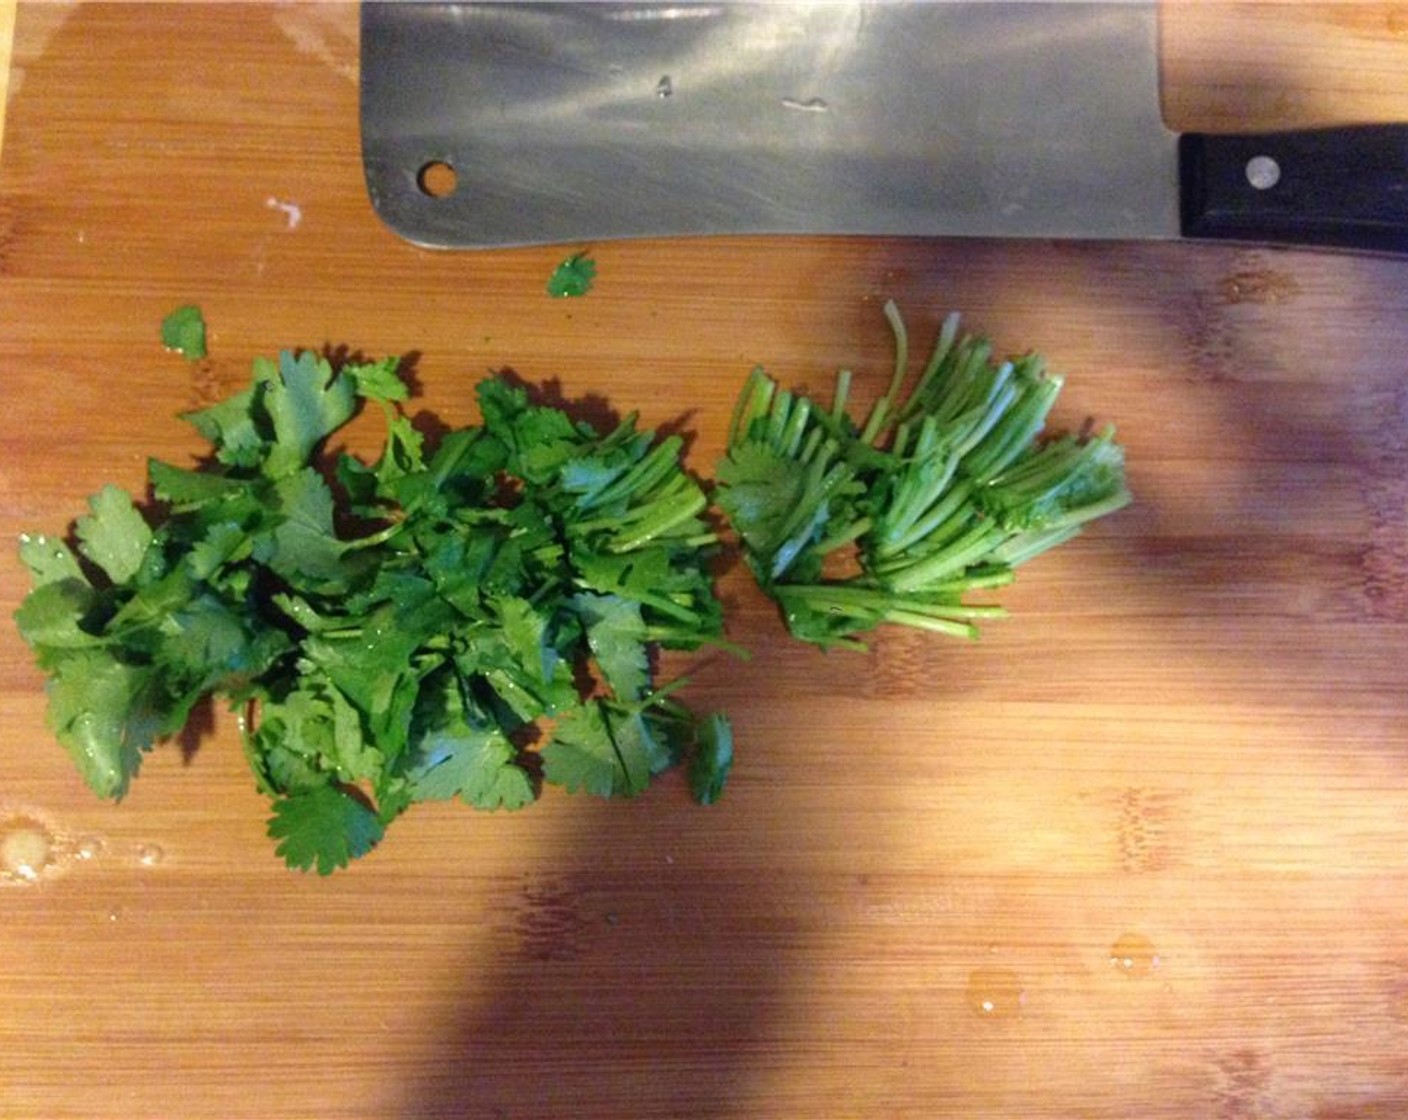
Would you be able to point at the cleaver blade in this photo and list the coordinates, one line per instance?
(501, 124)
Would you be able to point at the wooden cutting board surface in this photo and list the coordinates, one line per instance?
(1140, 852)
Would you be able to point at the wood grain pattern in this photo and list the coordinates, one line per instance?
(1140, 852)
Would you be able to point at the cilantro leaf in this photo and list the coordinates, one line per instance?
(183, 331)
(48, 559)
(378, 380)
(51, 619)
(617, 636)
(233, 427)
(572, 277)
(606, 750)
(105, 714)
(476, 764)
(540, 440)
(304, 548)
(306, 402)
(113, 534)
(221, 544)
(713, 758)
(324, 827)
(525, 631)
(190, 488)
(582, 758)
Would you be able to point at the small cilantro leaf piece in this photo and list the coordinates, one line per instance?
(324, 827)
(582, 758)
(233, 426)
(378, 380)
(617, 636)
(183, 331)
(48, 559)
(606, 750)
(572, 277)
(713, 758)
(304, 548)
(105, 714)
(113, 534)
(475, 764)
(306, 402)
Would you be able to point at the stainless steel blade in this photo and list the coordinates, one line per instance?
(568, 122)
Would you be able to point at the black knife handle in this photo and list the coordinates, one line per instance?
(1342, 187)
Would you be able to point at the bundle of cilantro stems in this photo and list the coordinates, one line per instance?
(475, 618)
(944, 490)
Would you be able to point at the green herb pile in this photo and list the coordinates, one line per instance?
(473, 616)
(944, 490)
(464, 620)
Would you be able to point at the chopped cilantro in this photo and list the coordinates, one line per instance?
(573, 277)
(184, 332)
(392, 626)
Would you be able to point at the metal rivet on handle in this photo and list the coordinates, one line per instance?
(1263, 172)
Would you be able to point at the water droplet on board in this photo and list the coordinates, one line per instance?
(1133, 954)
(88, 848)
(665, 87)
(995, 993)
(149, 855)
(26, 849)
(806, 105)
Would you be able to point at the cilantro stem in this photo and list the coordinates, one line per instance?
(666, 635)
(937, 358)
(881, 412)
(1027, 546)
(851, 532)
(665, 518)
(928, 622)
(840, 396)
(379, 537)
(1016, 430)
(943, 490)
(992, 410)
(797, 425)
(928, 524)
(967, 549)
(641, 477)
(975, 579)
(777, 418)
(752, 403)
(813, 443)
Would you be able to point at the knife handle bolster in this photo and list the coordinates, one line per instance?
(1339, 187)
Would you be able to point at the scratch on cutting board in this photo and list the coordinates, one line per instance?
(291, 210)
(299, 27)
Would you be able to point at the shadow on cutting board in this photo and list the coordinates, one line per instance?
(639, 960)
(644, 973)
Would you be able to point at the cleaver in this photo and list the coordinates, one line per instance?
(501, 124)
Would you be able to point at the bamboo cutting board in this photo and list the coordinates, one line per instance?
(1140, 852)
